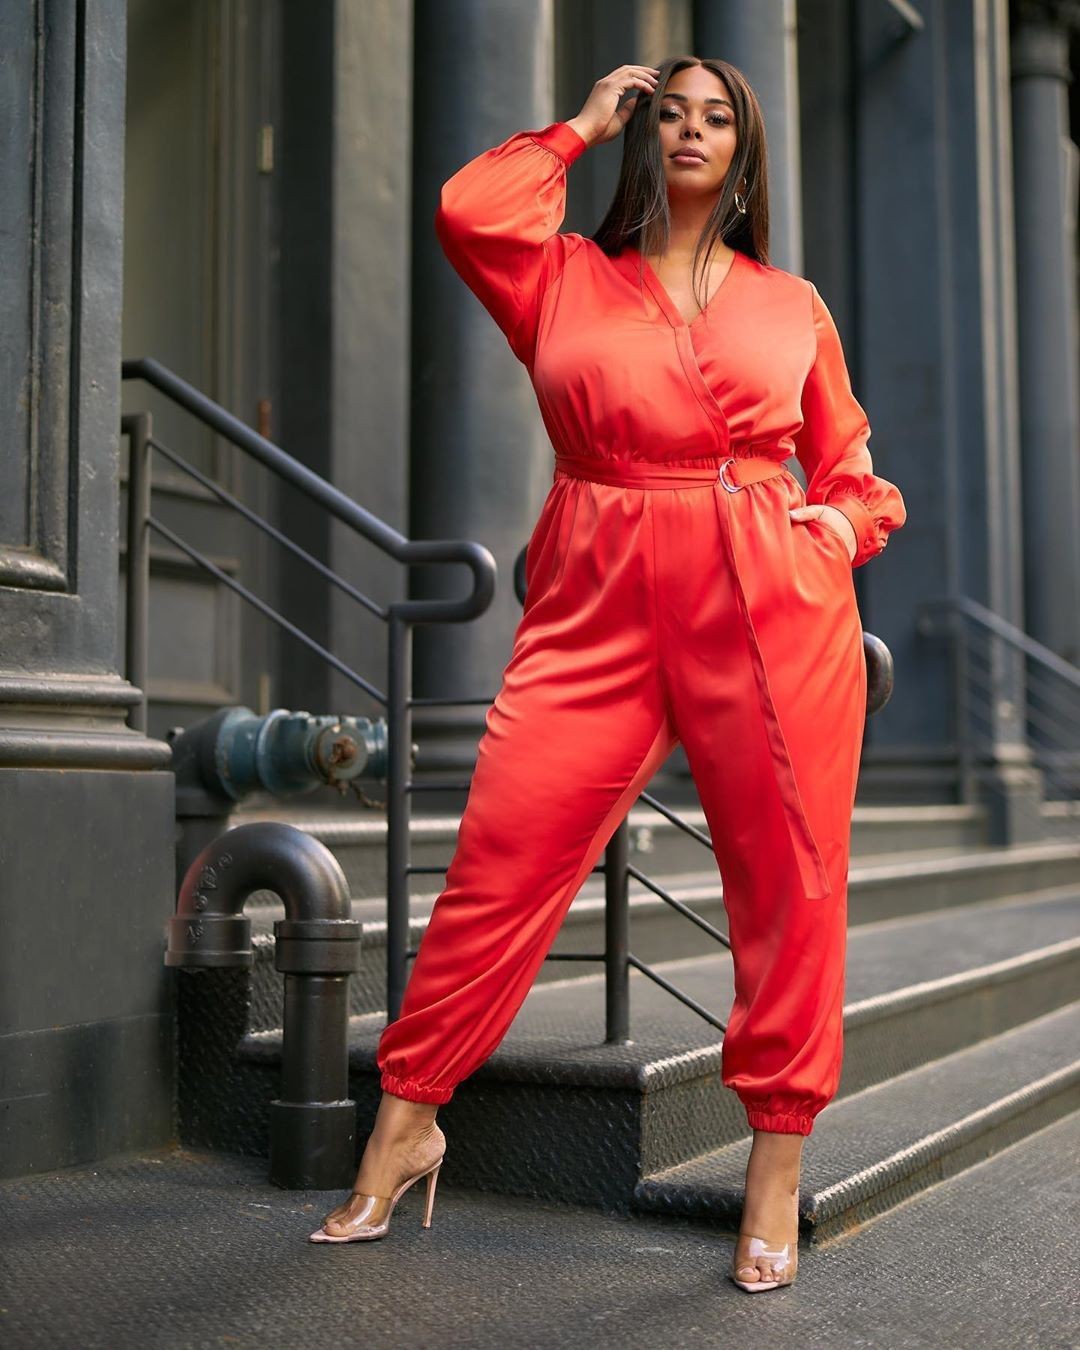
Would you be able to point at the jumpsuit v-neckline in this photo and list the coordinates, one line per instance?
(669, 596)
(672, 312)
(684, 333)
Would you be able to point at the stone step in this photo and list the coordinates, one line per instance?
(879, 888)
(875, 1149)
(358, 838)
(917, 989)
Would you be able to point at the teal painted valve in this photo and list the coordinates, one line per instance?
(234, 752)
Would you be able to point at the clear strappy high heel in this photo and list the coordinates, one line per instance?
(781, 1258)
(374, 1218)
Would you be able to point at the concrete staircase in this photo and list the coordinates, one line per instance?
(962, 1027)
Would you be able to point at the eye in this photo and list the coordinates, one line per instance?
(715, 119)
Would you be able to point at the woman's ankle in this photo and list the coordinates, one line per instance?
(398, 1143)
(775, 1163)
(400, 1117)
(777, 1148)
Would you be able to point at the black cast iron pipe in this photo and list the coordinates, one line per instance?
(317, 947)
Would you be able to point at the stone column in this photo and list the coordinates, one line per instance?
(1045, 185)
(86, 815)
(760, 40)
(345, 182)
(936, 358)
(590, 41)
(481, 459)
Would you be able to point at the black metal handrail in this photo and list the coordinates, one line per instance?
(1017, 711)
(399, 616)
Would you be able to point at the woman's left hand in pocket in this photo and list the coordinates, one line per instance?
(834, 520)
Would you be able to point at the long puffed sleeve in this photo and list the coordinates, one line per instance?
(831, 446)
(498, 219)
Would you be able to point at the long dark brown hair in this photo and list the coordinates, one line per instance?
(639, 214)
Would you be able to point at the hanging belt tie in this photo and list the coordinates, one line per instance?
(732, 473)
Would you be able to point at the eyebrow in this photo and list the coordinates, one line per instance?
(670, 94)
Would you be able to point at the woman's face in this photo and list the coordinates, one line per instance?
(696, 116)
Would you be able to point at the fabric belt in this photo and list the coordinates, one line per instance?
(732, 473)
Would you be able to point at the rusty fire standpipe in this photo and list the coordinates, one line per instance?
(317, 947)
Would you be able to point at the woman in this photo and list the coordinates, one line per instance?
(680, 586)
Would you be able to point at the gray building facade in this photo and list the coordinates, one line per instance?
(244, 191)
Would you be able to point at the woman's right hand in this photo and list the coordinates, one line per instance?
(601, 119)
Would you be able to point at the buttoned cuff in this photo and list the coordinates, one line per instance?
(562, 139)
(870, 543)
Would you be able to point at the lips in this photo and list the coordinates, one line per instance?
(688, 150)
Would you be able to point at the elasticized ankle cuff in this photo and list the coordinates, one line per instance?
(414, 1092)
(779, 1124)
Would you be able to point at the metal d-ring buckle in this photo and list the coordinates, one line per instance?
(730, 487)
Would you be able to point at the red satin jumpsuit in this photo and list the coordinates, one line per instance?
(670, 597)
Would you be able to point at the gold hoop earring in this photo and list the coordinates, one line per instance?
(740, 203)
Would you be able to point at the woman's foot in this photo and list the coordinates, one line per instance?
(403, 1142)
(771, 1209)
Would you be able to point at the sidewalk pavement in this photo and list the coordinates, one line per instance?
(178, 1248)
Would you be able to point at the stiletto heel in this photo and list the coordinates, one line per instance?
(429, 1203)
(781, 1258)
(374, 1218)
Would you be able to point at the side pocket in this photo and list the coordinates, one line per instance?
(839, 542)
